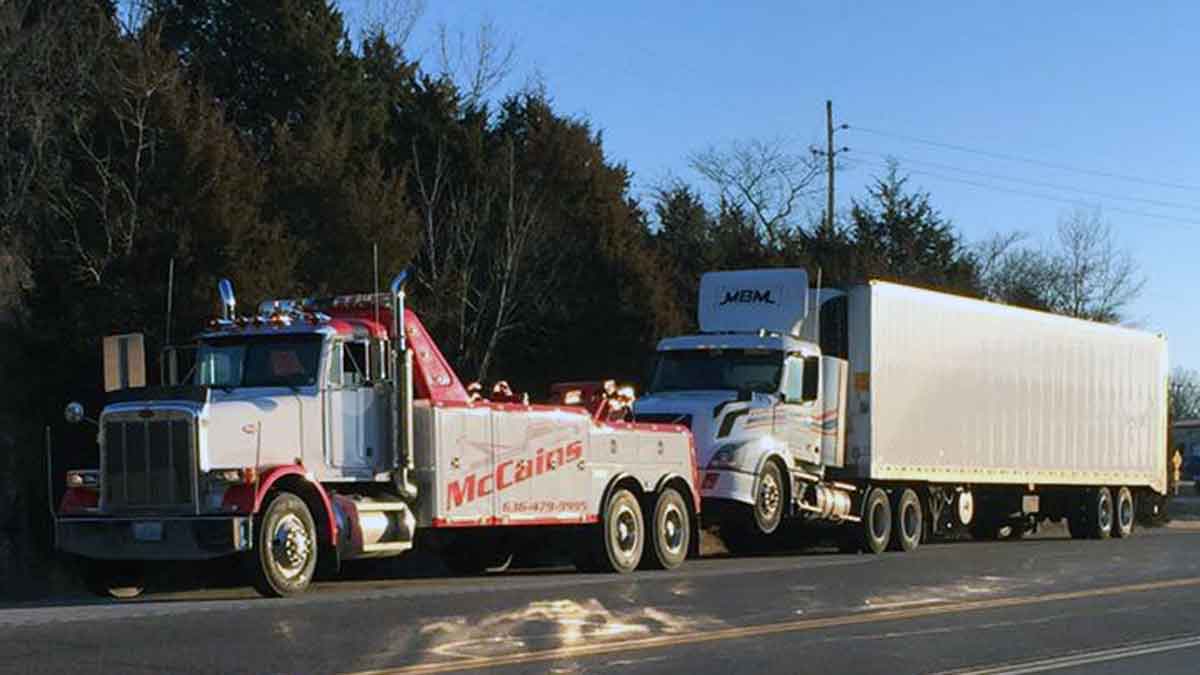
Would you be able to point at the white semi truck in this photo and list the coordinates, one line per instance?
(900, 412)
(318, 431)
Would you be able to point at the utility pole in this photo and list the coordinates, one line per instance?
(830, 154)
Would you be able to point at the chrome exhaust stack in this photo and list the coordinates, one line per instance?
(401, 367)
(228, 301)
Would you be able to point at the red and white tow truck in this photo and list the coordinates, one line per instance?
(319, 431)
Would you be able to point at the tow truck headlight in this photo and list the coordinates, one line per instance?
(242, 476)
(725, 456)
(83, 478)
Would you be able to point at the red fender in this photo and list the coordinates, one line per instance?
(249, 498)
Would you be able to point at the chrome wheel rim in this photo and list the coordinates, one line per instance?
(625, 531)
(673, 526)
(768, 497)
(1125, 513)
(1104, 517)
(291, 546)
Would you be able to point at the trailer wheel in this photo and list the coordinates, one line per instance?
(876, 526)
(621, 540)
(1093, 518)
(285, 554)
(670, 531)
(1124, 514)
(907, 521)
(118, 579)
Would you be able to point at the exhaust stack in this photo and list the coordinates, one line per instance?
(228, 301)
(401, 364)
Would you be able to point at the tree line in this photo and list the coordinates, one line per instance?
(264, 143)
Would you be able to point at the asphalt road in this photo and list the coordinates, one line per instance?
(1039, 605)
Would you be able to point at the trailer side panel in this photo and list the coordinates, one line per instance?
(957, 390)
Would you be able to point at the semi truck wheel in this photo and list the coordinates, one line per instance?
(670, 531)
(768, 501)
(876, 526)
(908, 522)
(285, 554)
(119, 579)
(1124, 513)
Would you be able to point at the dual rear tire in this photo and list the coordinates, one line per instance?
(1101, 513)
(895, 522)
(628, 538)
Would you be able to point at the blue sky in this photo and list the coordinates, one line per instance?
(1104, 86)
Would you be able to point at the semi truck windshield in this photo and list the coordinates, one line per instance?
(717, 369)
(269, 361)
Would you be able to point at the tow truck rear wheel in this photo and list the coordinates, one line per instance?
(670, 531)
(118, 579)
(617, 544)
(285, 552)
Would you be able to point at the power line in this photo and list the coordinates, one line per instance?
(1026, 160)
(1055, 198)
(1034, 183)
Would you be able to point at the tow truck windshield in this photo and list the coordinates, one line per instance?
(755, 370)
(259, 361)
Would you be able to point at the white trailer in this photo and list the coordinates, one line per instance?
(900, 412)
(319, 431)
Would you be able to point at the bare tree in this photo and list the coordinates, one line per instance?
(478, 62)
(1014, 273)
(763, 176)
(102, 217)
(1080, 273)
(1184, 395)
(1094, 279)
(396, 19)
(487, 262)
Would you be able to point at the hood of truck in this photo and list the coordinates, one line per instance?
(259, 427)
(705, 413)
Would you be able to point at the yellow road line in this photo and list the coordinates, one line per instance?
(737, 633)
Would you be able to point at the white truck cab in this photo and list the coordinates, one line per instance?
(763, 403)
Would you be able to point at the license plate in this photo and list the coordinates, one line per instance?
(152, 531)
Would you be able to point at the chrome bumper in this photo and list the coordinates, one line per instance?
(191, 538)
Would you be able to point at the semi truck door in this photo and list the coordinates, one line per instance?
(350, 403)
(801, 409)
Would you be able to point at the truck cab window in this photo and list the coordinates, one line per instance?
(354, 364)
(793, 383)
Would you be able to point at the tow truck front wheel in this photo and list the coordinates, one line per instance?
(285, 554)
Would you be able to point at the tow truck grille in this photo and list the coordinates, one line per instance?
(148, 464)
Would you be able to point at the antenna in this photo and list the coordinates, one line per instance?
(170, 294)
(375, 280)
(817, 323)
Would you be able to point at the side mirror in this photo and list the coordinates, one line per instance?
(74, 413)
